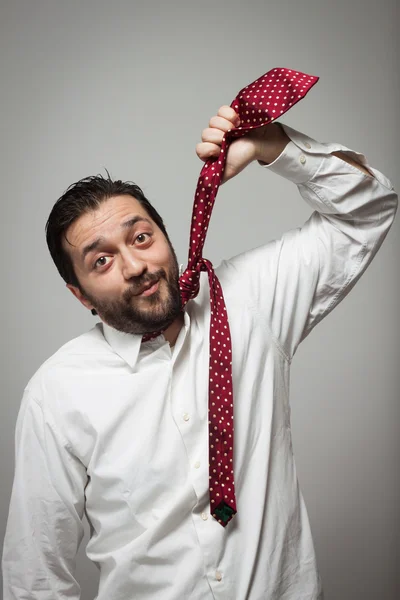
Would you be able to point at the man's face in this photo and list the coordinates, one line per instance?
(126, 268)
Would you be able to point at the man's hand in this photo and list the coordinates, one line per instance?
(263, 144)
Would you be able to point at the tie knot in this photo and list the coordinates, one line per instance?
(189, 283)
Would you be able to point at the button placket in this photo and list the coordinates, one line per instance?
(208, 535)
(192, 426)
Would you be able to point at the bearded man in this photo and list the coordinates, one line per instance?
(115, 424)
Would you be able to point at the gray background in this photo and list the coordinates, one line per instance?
(129, 86)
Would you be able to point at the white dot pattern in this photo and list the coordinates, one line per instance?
(258, 104)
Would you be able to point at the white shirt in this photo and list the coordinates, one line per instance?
(120, 427)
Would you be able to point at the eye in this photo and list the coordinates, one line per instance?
(101, 262)
(142, 238)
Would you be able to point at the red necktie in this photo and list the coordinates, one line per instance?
(258, 104)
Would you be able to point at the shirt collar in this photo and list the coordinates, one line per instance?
(127, 345)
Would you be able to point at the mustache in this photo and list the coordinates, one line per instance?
(137, 284)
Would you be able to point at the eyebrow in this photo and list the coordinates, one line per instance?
(126, 225)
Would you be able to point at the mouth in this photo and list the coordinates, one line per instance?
(150, 289)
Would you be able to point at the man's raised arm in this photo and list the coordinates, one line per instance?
(298, 279)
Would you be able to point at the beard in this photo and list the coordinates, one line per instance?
(144, 314)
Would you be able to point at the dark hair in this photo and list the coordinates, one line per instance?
(81, 197)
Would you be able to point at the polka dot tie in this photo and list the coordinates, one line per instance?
(258, 104)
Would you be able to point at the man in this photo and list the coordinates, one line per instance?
(116, 426)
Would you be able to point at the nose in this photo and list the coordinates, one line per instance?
(132, 265)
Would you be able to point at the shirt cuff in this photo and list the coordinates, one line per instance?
(303, 156)
(300, 159)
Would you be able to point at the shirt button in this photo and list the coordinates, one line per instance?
(307, 145)
(218, 575)
(302, 159)
(186, 417)
(197, 465)
(204, 516)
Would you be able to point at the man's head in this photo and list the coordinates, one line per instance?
(111, 248)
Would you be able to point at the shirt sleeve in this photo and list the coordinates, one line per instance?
(297, 280)
(44, 527)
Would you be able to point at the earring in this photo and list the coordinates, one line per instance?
(94, 313)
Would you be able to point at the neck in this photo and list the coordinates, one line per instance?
(172, 332)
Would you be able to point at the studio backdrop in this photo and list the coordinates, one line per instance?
(128, 86)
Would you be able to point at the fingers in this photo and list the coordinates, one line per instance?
(221, 123)
(225, 120)
(229, 114)
(207, 150)
(215, 136)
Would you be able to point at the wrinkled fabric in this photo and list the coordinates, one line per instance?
(119, 427)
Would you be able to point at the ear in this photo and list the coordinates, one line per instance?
(78, 294)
